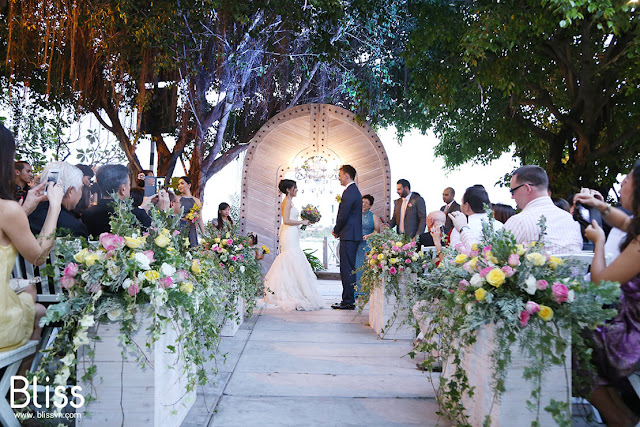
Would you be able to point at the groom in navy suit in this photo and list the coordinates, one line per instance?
(348, 229)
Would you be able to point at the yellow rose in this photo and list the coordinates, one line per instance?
(195, 267)
(186, 287)
(381, 257)
(473, 262)
(493, 259)
(461, 259)
(80, 256)
(223, 242)
(545, 313)
(496, 277)
(231, 269)
(414, 258)
(475, 247)
(537, 258)
(217, 240)
(165, 232)
(151, 275)
(91, 259)
(373, 262)
(554, 262)
(162, 240)
(399, 244)
(532, 243)
(520, 249)
(393, 260)
(132, 242)
(480, 294)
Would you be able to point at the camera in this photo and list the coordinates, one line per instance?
(52, 176)
(152, 184)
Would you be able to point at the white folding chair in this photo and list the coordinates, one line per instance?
(12, 359)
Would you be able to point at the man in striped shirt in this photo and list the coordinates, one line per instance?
(530, 189)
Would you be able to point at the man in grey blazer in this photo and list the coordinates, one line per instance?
(409, 213)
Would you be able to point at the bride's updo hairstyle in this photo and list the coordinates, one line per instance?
(286, 184)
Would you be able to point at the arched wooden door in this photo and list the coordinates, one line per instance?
(297, 134)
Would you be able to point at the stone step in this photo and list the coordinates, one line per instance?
(328, 275)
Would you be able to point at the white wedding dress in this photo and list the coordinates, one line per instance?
(290, 283)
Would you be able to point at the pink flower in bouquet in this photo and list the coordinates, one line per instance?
(560, 292)
(401, 268)
(467, 267)
(149, 254)
(485, 271)
(462, 249)
(407, 261)
(524, 318)
(166, 282)
(145, 234)
(473, 254)
(71, 270)
(133, 289)
(176, 232)
(531, 307)
(413, 244)
(240, 247)
(94, 287)
(219, 249)
(111, 242)
(514, 260)
(462, 285)
(374, 256)
(67, 282)
(222, 265)
(240, 257)
(230, 242)
(541, 285)
(393, 271)
(486, 249)
(182, 275)
(406, 247)
(234, 258)
(508, 271)
(380, 266)
(395, 248)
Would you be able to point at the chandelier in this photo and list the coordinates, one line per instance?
(316, 173)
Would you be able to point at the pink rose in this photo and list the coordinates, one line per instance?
(230, 242)
(486, 249)
(176, 232)
(406, 247)
(485, 271)
(71, 269)
(166, 282)
(413, 244)
(531, 307)
(514, 260)
(67, 282)
(219, 249)
(401, 268)
(407, 261)
(462, 285)
(234, 258)
(111, 242)
(508, 271)
(182, 275)
(393, 271)
(560, 292)
(222, 265)
(524, 318)
(395, 248)
(541, 285)
(133, 289)
(146, 233)
(462, 249)
(374, 256)
(240, 247)
(473, 254)
(149, 254)
(240, 257)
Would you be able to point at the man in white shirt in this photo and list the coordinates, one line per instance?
(474, 201)
(530, 189)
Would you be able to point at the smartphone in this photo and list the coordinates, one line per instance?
(582, 215)
(52, 176)
(150, 186)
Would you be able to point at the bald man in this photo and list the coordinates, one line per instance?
(434, 219)
(450, 205)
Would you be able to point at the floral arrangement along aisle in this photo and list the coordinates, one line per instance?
(537, 301)
(127, 276)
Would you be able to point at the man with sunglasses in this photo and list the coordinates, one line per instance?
(529, 187)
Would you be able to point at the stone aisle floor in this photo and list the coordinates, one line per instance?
(315, 368)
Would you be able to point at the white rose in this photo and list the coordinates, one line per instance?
(112, 268)
(87, 321)
(142, 260)
(531, 285)
(114, 314)
(127, 282)
(571, 296)
(469, 307)
(159, 298)
(68, 359)
(242, 269)
(476, 280)
(167, 270)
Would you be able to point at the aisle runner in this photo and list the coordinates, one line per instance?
(312, 368)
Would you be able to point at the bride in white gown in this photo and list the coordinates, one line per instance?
(290, 283)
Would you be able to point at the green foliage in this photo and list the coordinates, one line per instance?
(554, 82)
(314, 261)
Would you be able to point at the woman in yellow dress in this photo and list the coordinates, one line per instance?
(19, 314)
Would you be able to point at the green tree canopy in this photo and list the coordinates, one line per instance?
(557, 81)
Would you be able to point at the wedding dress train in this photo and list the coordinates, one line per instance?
(290, 283)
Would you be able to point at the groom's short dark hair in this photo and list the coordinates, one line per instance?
(404, 183)
(350, 170)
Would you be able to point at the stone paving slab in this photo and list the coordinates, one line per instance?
(240, 411)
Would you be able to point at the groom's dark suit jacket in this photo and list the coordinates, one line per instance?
(349, 222)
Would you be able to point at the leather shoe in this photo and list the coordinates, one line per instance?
(343, 306)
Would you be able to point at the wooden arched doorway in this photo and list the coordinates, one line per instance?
(297, 134)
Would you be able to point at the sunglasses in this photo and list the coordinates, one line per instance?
(513, 190)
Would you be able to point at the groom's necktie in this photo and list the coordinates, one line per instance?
(405, 200)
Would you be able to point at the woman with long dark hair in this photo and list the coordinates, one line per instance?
(617, 343)
(19, 314)
(224, 221)
(188, 201)
(290, 283)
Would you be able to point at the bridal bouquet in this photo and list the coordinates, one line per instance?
(537, 299)
(311, 214)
